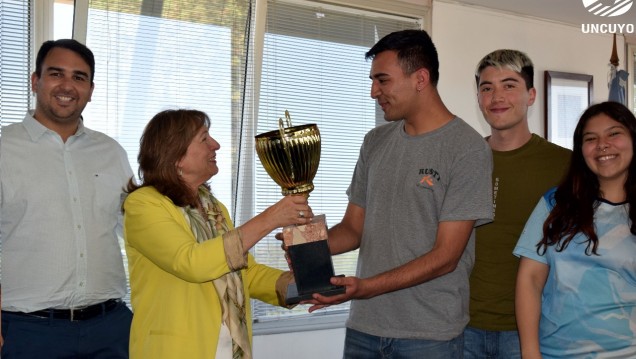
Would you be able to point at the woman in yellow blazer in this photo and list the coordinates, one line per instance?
(191, 275)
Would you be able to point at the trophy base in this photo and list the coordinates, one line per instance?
(294, 298)
(311, 262)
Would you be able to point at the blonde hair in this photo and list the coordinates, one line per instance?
(514, 60)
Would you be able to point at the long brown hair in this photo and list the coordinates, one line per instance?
(164, 142)
(577, 197)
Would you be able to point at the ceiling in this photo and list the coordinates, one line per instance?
(571, 12)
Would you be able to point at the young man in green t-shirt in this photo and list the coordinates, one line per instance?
(525, 166)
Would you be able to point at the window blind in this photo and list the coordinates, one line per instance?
(16, 42)
(314, 66)
(153, 55)
(15, 61)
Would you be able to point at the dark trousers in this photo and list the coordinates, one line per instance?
(104, 336)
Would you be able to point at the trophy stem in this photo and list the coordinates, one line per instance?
(302, 189)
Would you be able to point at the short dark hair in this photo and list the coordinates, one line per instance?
(164, 142)
(69, 44)
(415, 50)
(514, 60)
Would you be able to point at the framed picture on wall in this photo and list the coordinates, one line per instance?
(567, 95)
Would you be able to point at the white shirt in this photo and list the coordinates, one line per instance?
(60, 217)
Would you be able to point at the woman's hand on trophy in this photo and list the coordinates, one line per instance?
(281, 214)
(291, 209)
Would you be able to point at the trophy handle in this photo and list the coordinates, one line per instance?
(283, 139)
(288, 119)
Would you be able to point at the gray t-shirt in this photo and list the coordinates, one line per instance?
(407, 185)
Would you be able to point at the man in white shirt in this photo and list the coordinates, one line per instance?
(61, 186)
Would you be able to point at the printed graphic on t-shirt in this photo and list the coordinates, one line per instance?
(429, 177)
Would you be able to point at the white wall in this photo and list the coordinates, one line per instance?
(463, 35)
(320, 344)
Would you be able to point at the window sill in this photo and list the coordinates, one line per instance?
(316, 321)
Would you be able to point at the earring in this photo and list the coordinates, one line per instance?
(180, 172)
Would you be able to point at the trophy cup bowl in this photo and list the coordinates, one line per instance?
(290, 156)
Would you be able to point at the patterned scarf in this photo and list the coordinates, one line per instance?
(229, 287)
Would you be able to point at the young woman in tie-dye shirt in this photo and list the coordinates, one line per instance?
(576, 285)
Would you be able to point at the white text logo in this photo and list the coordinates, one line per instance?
(597, 7)
(607, 28)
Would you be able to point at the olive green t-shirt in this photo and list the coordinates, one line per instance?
(520, 177)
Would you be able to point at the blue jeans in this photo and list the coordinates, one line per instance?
(486, 344)
(103, 337)
(359, 345)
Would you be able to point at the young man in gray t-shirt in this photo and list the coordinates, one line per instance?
(421, 185)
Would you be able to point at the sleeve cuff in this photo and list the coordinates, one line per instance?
(281, 288)
(234, 255)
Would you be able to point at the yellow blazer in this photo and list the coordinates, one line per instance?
(177, 313)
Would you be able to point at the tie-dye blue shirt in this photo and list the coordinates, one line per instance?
(589, 301)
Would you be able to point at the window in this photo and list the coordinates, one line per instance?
(155, 55)
(314, 66)
(63, 19)
(216, 56)
(16, 59)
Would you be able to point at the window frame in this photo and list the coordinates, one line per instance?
(631, 69)
(399, 8)
(337, 319)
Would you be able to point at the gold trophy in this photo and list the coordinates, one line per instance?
(290, 156)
